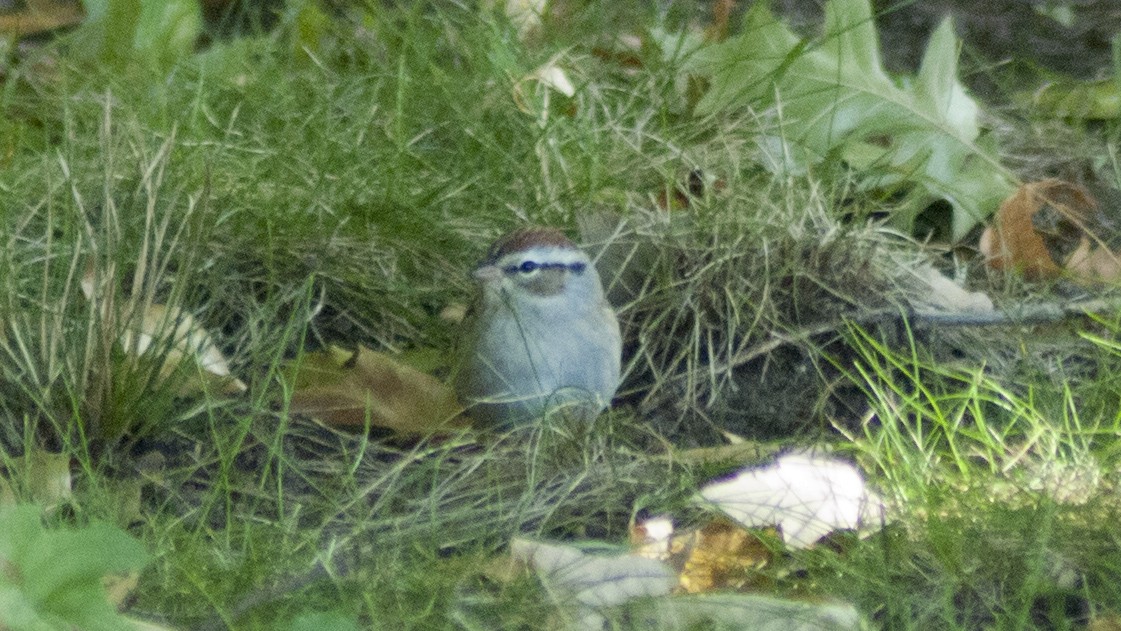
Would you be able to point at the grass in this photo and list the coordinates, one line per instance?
(290, 193)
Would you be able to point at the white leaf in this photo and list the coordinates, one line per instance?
(169, 331)
(175, 332)
(525, 15)
(552, 76)
(652, 537)
(945, 295)
(807, 497)
(594, 581)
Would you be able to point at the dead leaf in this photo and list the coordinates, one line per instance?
(176, 333)
(170, 334)
(591, 581)
(532, 92)
(722, 10)
(1050, 227)
(40, 16)
(118, 587)
(1094, 264)
(806, 496)
(44, 475)
(723, 556)
(623, 50)
(719, 555)
(48, 478)
(943, 294)
(526, 15)
(344, 388)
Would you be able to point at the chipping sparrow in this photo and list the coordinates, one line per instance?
(541, 335)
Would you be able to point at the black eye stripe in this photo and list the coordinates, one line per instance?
(529, 267)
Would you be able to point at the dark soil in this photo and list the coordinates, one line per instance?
(1015, 35)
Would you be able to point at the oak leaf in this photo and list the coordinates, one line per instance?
(1049, 228)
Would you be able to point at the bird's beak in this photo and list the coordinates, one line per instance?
(488, 274)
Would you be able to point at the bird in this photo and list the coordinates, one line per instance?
(540, 335)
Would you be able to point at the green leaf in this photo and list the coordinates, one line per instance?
(16, 612)
(66, 559)
(1090, 100)
(167, 30)
(746, 611)
(323, 621)
(834, 100)
(53, 578)
(19, 531)
(855, 42)
(310, 26)
(151, 32)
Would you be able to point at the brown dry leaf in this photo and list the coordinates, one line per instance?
(1050, 227)
(1105, 621)
(721, 17)
(720, 555)
(1094, 264)
(118, 587)
(344, 388)
(723, 556)
(40, 16)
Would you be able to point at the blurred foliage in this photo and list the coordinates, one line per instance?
(52, 578)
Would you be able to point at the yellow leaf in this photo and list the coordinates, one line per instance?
(722, 555)
(48, 477)
(344, 388)
(44, 476)
(118, 587)
(719, 555)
